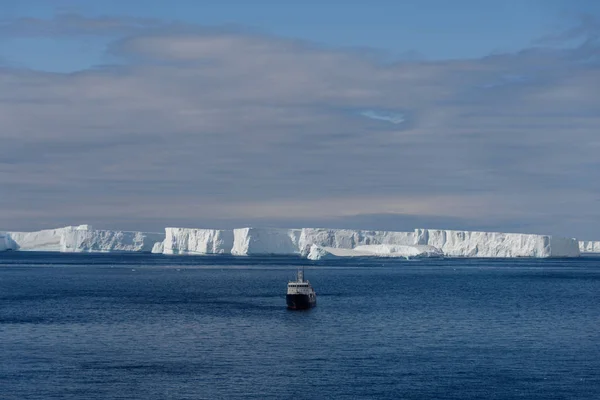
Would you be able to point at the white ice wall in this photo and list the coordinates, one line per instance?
(5, 242)
(249, 241)
(105, 241)
(589, 246)
(158, 247)
(374, 250)
(255, 241)
(197, 241)
(496, 244)
(44, 240)
(349, 239)
(83, 238)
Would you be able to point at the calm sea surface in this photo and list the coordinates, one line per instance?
(154, 327)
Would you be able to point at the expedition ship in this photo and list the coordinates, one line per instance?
(300, 294)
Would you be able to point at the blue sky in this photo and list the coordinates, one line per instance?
(382, 114)
(435, 29)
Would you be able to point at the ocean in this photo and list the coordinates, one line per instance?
(80, 326)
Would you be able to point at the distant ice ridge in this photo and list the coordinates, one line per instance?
(588, 246)
(317, 243)
(84, 239)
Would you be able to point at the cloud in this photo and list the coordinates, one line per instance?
(203, 126)
(394, 118)
(586, 29)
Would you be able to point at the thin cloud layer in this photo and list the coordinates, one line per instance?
(216, 126)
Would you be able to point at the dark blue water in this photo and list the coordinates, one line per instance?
(153, 327)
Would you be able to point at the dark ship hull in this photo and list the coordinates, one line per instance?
(300, 301)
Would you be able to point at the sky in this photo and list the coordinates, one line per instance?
(136, 115)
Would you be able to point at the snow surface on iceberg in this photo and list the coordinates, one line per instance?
(197, 241)
(589, 246)
(496, 244)
(83, 238)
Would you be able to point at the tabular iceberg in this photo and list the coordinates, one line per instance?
(317, 243)
(496, 244)
(83, 238)
(588, 246)
(44, 240)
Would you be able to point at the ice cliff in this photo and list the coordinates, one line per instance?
(496, 244)
(158, 247)
(349, 239)
(106, 241)
(82, 238)
(320, 242)
(313, 243)
(44, 240)
(5, 242)
(196, 241)
(375, 250)
(588, 246)
(255, 241)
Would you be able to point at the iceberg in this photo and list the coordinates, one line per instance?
(238, 242)
(377, 250)
(44, 240)
(349, 239)
(197, 241)
(106, 241)
(319, 243)
(5, 242)
(496, 244)
(589, 246)
(83, 239)
(158, 247)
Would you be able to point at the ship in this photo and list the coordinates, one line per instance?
(300, 294)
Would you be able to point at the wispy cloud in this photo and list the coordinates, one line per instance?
(202, 125)
(587, 28)
(394, 118)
